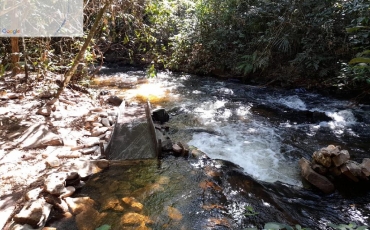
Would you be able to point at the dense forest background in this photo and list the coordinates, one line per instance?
(315, 44)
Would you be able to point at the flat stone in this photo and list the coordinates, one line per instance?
(98, 131)
(13, 95)
(52, 161)
(57, 202)
(44, 111)
(345, 170)
(97, 124)
(67, 192)
(69, 154)
(33, 194)
(92, 118)
(54, 183)
(38, 136)
(54, 150)
(176, 148)
(314, 178)
(83, 167)
(365, 166)
(34, 213)
(96, 109)
(90, 150)
(354, 168)
(91, 141)
(105, 122)
(341, 158)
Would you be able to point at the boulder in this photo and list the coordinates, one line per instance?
(341, 158)
(176, 148)
(34, 213)
(54, 183)
(114, 100)
(33, 194)
(160, 115)
(319, 169)
(365, 166)
(314, 178)
(52, 161)
(322, 158)
(38, 136)
(351, 170)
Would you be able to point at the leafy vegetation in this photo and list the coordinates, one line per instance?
(304, 43)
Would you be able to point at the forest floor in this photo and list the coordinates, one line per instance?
(25, 153)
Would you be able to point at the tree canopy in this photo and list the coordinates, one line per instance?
(298, 43)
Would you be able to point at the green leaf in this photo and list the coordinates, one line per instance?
(355, 29)
(104, 227)
(359, 60)
(276, 226)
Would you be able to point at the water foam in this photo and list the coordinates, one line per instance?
(252, 146)
(341, 120)
(293, 102)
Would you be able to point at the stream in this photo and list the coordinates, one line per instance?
(255, 137)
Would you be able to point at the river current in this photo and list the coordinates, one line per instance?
(263, 132)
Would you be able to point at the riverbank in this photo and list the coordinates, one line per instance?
(41, 136)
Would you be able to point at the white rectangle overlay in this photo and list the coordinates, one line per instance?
(41, 18)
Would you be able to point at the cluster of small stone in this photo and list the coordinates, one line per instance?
(100, 123)
(54, 193)
(332, 162)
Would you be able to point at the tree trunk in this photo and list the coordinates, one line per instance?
(15, 55)
(72, 70)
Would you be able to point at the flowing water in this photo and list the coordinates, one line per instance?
(263, 132)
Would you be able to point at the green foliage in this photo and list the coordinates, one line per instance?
(104, 227)
(151, 71)
(279, 226)
(349, 226)
(249, 211)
